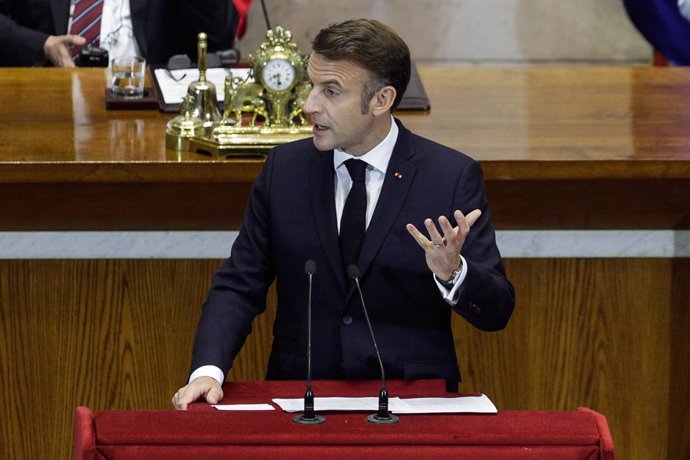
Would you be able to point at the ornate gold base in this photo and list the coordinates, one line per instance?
(242, 144)
(236, 141)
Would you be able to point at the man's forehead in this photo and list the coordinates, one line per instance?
(340, 71)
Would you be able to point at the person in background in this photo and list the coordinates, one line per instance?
(38, 32)
(665, 25)
(360, 192)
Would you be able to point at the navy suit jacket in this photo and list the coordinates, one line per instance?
(291, 218)
(162, 28)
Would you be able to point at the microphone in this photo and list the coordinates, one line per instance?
(309, 417)
(383, 415)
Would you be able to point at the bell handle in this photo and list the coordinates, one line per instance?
(202, 52)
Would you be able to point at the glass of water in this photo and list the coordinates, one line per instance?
(129, 73)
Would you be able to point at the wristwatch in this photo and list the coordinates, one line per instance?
(453, 278)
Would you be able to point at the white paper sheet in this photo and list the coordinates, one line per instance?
(331, 404)
(174, 83)
(461, 404)
(240, 407)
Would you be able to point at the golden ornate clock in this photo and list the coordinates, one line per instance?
(278, 67)
(261, 111)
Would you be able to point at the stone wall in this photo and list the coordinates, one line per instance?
(475, 32)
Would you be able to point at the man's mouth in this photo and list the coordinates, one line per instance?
(320, 128)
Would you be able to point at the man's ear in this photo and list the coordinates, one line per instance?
(383, 100)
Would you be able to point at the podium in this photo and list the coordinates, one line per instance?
(203, 432)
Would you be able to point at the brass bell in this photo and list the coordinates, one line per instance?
(183, 127)
(204, 103)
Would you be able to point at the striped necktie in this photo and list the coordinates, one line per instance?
(86, 21)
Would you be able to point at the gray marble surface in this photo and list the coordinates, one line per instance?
(216, 245)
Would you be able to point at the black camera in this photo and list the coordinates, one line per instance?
(91, 56)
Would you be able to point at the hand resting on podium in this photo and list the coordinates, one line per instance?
(201, 387)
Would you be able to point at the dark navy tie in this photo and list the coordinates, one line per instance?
(354, 220)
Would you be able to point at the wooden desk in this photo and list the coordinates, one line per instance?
(609, 136)
(577, 148)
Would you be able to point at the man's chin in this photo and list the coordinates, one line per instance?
(322, 144)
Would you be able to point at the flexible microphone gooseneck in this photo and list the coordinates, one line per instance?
(383, 415)
(309, 417)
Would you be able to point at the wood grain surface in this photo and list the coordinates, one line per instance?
(526, 123)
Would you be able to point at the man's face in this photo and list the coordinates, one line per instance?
(335, 107)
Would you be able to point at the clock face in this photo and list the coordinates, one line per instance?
(278, 75)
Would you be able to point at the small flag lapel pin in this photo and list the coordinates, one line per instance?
(397, 175)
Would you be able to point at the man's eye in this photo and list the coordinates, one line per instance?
(331, 92)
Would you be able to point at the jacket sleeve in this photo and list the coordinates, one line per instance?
(239, 288)
(487, 298)
(21, 46)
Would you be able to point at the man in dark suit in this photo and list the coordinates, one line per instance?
(412, 281)
(34, 32)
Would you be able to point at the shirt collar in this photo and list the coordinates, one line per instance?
(378, 157)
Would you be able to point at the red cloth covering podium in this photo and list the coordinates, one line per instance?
(206, 433)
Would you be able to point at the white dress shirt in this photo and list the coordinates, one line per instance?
(377, 163)
(117, 34)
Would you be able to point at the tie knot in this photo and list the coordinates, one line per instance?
(356, 168)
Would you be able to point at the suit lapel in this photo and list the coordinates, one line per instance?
(322, 191)
(396, 185)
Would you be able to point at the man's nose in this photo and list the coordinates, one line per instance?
(310, 105)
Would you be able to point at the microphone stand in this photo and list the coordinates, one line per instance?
(268, 21)
(383, 415)
(309, 417)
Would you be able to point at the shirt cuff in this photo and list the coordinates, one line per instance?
(451, 295)
(208, 371)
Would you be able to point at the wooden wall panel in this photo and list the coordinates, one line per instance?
(107, 334)
(123, 206)
(609, 334)
(650, 203)
(679, 378)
